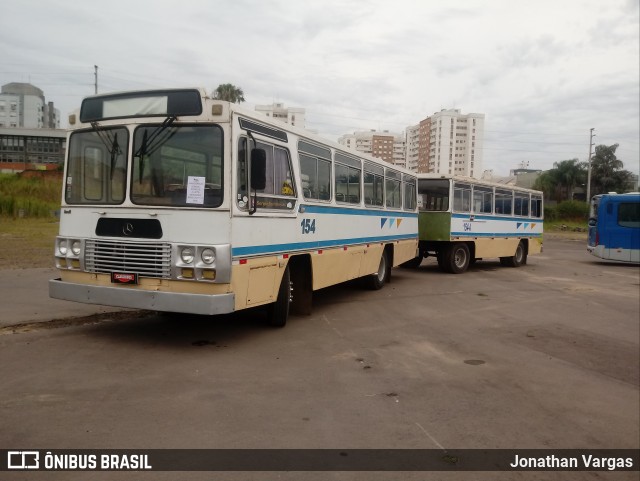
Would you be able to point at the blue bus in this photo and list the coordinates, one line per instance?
(614, 227)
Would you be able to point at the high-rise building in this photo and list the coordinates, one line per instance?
(384, 145)
(454, 145)
(289, 115)
(23, 105)
(448, 142)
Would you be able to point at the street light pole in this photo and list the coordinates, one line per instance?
(591, 136)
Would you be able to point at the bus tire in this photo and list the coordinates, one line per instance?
(457, 258)
(518, 259)
(278, 312)
(377, 280)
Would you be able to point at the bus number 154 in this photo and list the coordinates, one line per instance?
(308, 226)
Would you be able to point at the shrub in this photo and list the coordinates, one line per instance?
(572, 210)
(550, 214)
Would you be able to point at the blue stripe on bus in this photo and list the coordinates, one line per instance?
(535, 220)
(493, 234)
(321, 209)
(295, 246)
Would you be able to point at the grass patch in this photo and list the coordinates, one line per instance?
(566, 229)
(27, 242)
(29, 197)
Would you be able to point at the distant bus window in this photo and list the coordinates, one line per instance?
(629, 215)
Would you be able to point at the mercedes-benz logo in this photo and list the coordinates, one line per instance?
(127, 229)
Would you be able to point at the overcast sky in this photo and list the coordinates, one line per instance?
(543, 72)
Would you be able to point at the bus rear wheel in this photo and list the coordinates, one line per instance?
(518, 259)
(278, 312)
(377, 280)
(456, 258)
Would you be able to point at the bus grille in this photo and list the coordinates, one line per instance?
(148, 260)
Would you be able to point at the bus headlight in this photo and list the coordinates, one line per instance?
(62, 247)
(76, 247)
(187, 255)
(208, 256)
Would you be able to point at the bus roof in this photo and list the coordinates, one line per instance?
(473, 180)
(208, 112)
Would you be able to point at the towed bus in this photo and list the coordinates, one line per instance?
(174, 201)
(462, 220)
(614, 227)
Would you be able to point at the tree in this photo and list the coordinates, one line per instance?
(607, 173)
(229, 92)
(560, 182)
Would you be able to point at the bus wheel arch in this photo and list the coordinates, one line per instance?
(519, 258)
(278, 311)
(301, 272)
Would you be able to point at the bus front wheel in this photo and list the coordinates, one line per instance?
(456, 258)
(518, 259)
(278, 312)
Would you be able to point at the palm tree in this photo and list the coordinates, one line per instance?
(560, 182)
(569, 174)
(229, 92)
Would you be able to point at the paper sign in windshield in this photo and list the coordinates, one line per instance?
(195, 190)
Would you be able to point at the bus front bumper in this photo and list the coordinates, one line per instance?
(205, 304)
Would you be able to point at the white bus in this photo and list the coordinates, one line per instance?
(463, 219)
(173, 201)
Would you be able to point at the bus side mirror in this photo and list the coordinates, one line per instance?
(258, 169)
(593, 222)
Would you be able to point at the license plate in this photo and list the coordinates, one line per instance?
(124, 278)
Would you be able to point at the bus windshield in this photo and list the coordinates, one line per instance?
(96, 170)
(176, 165)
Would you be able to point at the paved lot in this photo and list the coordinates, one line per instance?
(544, 356)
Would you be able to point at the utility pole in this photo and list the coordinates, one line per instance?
(591, 136)
(95, 75)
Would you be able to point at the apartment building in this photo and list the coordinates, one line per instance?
(447, 142)
(384, 145)
(455, 143)
(23, 105)
(289, 115)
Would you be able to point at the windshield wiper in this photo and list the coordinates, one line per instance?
(111, 144)
(148, 146)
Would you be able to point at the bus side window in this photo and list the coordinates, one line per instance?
(462, 198)
(629, 215)
(536, 206)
